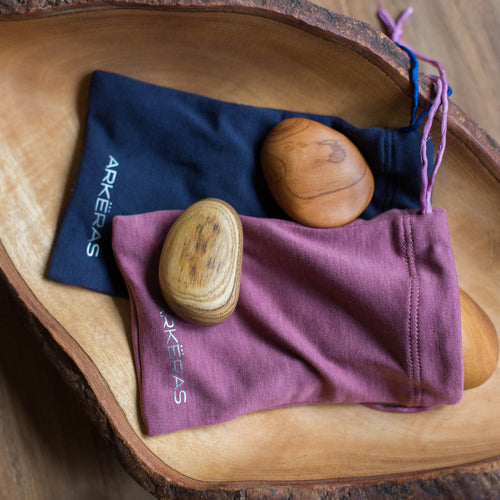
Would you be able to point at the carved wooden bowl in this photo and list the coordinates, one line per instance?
(279, 54)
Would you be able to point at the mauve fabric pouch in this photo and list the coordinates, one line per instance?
(367, 312)
(150, 148)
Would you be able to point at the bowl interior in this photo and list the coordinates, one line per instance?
(46, 67)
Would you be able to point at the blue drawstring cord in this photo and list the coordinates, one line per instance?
(415, 121)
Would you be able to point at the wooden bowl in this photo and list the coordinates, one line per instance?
(280, 54)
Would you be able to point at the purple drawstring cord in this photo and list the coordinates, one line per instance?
(441, 98)
(399, 409)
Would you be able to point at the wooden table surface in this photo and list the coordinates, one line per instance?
(48, 448)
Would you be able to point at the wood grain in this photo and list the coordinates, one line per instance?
(315, 174)
(479, 343)
(200, 263)
(463, 35)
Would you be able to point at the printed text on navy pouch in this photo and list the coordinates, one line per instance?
(102, 207)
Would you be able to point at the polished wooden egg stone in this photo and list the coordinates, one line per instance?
(200, 263)
(315, 173)
(479, 343)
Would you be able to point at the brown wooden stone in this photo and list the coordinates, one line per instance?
(479, 343)
(200, 263)
(315, 173)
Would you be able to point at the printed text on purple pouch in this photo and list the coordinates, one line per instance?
(175, 352)
(102, 207)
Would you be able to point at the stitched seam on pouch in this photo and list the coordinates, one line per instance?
(409, 342)
(416, 284)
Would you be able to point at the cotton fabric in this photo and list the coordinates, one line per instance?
(367, 312)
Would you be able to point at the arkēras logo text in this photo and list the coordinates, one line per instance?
(102, 207)
(175, 352)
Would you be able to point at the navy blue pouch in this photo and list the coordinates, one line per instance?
(151, 148)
